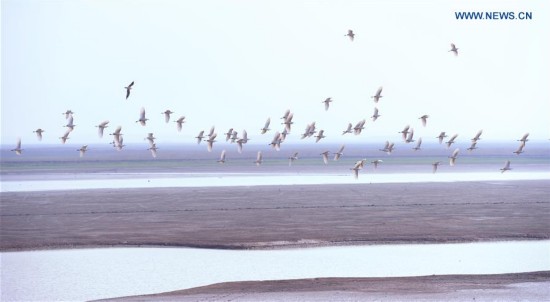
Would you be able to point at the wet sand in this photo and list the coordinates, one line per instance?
(277, 216)
(506, 287)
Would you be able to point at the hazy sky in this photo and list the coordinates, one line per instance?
(236, 63)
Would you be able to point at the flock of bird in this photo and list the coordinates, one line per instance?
(311, 130)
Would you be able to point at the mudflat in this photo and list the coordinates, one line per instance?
(277, 216)
(533, 286)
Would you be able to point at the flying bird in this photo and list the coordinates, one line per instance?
(119, 144)
(435, 165)
(153, 150)
(276, 142)
(404, 132)
(211, 140)
(520, 148)
(375, 116)
(418, 143)
(68, 113)
(266, 126)
(378, 95)
(288, 121)
(524, 138)
(65, 136)
(228, 134)
(359, 127)
(142, 118)
(70, 123)
(451, 141)
(151, 139)
(325, 157)
(506, 167)
(292, 158)
(410, 137)
(350, 34)
(472, 146)
(477, 137)
(116, 134)
(200, 137)
(327, 103)
(128, 88)
(358, 166)
(388, 148)
(82, 150)
(320, 135)
(211, 131)
(339, 153)
(242, 141)
(17, 148)
(376, 163)
(258, 158)
(38, 133)
(441, 136)
(285, 116)
(424, 119)
(180, 122)
(349, 130)
(101, 127)
(222, 158)
(167, 115)
(453, 157)
(454, 49)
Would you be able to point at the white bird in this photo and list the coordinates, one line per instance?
(102, 127)
(180, 122)
(82, 150)
(358, 166)
(39, 133)
(435, 165)
(285, 116)
(472, 146)
(200, 137)
(359, 127)
(17, 148)
(68, 113)
(405, 132)
(258, 158)
(128, 88)
(242, 141)
(375, 116)
(524, 138)
(142, 120)
(454, 49)
(266, 126)
(234, 136)
(276, 141)
(378, 95)
(350, 34)
(376, 163)
(388, 148)
(167, 115)
(339, 153)
(451, 141)
(453, 157)
(441, 136)
(228, 134)
(222, 158)
(477, 137)
(65, 136)
(153, 150)
(116, 134)
(70, 123)
(119, 144)
(520, 148)
(310, 130)
(284, 133)
(325, 157)
(348, 130)
(418, 143)
(288, 121)
(424, 119)
(211, 131)
(320, 135)
(292, 158)
(151, 138)
(211, 140)
(327, 103)
(506, 167)
(410, 137)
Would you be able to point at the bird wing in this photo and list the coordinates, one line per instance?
(267, 123)
(379, 92)
(325, 158)
(341, 149)
(142, 113)
(326, 105)
(222, 156)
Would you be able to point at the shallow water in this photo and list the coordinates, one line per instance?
(112, 272)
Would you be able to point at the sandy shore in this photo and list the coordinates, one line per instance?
(506, 287)
(272, 216)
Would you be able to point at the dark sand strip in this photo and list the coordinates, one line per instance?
(272, 216)
(506, 287)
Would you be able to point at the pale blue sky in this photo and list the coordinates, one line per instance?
(236, 63)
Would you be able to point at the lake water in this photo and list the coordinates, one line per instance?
(86, 274)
